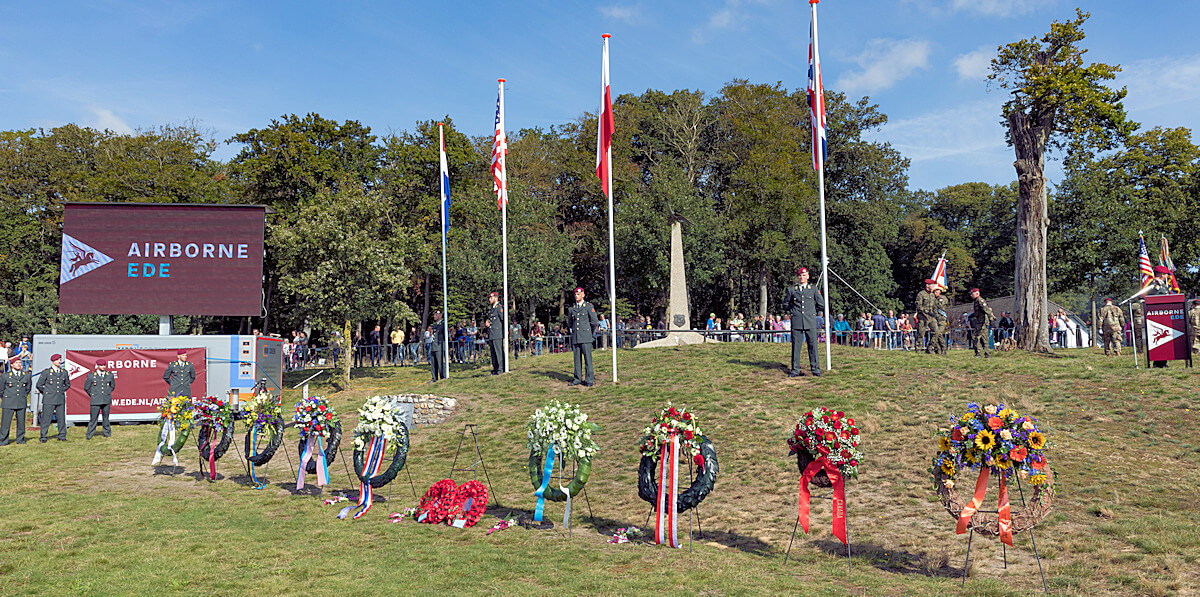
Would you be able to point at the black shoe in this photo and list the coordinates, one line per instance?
(574, 382)
(589, 384)
(20, 441)
(87, 437)
(62, 439)
(43, 440)
(817, 373)
(794, 374)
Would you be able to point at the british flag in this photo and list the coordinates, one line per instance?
(816, 94)
(499, 151)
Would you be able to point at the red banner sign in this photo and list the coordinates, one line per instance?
(1166, 327)
(140, 386)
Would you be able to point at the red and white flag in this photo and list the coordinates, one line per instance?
(939, 272)
(499, 151)
(605, 128)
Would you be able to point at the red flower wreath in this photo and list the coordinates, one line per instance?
(478, 494)
(438, 502)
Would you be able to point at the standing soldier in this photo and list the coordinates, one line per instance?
(927, 305)
(943, 321)
(437, 347)
(582, 319)
(14, 399)
(99, 385)
(495, 322)
(53, 385)
(179, 376)
(1112, 323)
(981, 321)
(1194, 325)
(804, 302)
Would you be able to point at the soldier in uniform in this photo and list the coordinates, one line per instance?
(53, 385)
(582, 321)
(99, 385)
(1139, 326)
(179, 375)
(943, 321)
(437, 347)
(1194, 325)
(1112, 323)
(981, 320)
(495, 322)
(927, 315)
(805, 303)
(14, 399)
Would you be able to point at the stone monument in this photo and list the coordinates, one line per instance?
(678, 318)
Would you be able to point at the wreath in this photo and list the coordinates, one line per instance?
(177, 409)
(203, 441)
(265, 417)
(1004, 442)
(334, 437)
(827, 433)
(378, 418)
(212, 415)
(568, 430)
(470, 501)
(438, 502)
(314, 416)
(692, 442)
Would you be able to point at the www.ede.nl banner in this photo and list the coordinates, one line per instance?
(140, 386)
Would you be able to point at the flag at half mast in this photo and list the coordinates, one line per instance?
(499, 153)
(816, 94)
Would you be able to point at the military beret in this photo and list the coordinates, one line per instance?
(1108, 299)
(974, 290)
(181, 351)
(930, 281)
(578, 289)
(102, 362)
(493, 294)
(1161, 269)
(802, 270)
(55, 357)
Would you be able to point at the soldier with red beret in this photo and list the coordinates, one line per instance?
(14, 399)
(99, 385)
(53, 384)
(179, 375)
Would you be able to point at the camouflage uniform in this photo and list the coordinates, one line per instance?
(981, 320)
(1139, 325)
(927, 306)
(1112, 323)
(943, 324)
(1194, 326)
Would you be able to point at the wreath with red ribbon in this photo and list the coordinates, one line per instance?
(474, 492)
(438, 502)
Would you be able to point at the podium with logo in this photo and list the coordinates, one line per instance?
(1167, 329)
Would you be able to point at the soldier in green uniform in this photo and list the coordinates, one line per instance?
(53, 384)
(927, 306)
(943, 321)
(981, 321)
(14, 399)
(495, 318)
(1112, 323)
(179, 375)
(437, 348)
(805, 303)
(1139, 326)
(1194, 325)
(581, 322)
(99, 385)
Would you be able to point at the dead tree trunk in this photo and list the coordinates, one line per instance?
(1029, 142)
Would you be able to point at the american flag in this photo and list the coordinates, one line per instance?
(1164, 259)
(605, 127)
(816, 94)
(1144, 262)
(444, 179)
(499, 151)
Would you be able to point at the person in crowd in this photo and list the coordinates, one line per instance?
(358, 347)
(99, 385)
(1194, 325)
(495, 326)
(582, 319)
(376, 340)
(879, 330)
(14, 399)
(981, 319)
(397, 341)
(737, 324)
(1112, 320)
(4, 356)
(437, 348)
(804, 301)
(515, 338)
(53, 384)
(25, 352)
(927, 306)
(537, 333)
(906, 331)
(179, 375)
(893, 332)
(1006, 325)
(602, 327)
(472, 336)
(841, 328)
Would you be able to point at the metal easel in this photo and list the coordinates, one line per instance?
(828, 496)
(472, 428)
(1004, 547)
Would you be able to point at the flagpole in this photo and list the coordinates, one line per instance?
(504, 235)
(612, 247)
(442, 182)
(818, 151)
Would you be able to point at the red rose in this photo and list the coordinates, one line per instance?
(687, 416)
(687, 434)
(845, 434)
(825, 419)
(318, 428)
(850, 421)
(220, 404)
(829, 436)
(329, 416)
(854, 431)
(672, 412)
(699, 460)
(956, 435)
(321, 408)
(846, 454)
(837, 424)
(840, 414)
(853, 463)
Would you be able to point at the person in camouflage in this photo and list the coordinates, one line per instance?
(981, 322)
(1112, 323)
(927, 321)
(943, 321)
(1194, 325)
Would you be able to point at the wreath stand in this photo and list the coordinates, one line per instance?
(693, 518)
(560, 475)
(471, 428)
(828, 496)
(1004, 548)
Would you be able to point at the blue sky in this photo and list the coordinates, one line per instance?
(230, 66)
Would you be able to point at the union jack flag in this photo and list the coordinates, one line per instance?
(499, 151)
(816, 94)
(1144, 262)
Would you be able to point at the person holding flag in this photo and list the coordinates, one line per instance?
(927, 319)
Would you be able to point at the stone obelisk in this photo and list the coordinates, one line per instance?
(678, 317)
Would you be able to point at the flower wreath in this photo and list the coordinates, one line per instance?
(470, 502)
(999, 441)
(265, 418)
(438, 502)
(178, 410)
(377, 417)
(822, 432)
(314, 416)
(567, 429)
(212, 417)
(692, 442)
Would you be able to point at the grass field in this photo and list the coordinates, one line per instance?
(94, 518)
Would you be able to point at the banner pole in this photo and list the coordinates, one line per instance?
(612, 248)
(442, 182)
(504, 239)
(821, 200)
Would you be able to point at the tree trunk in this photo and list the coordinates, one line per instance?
(1032, 331)
(347, 348)
(1094, 328)
(762, 294)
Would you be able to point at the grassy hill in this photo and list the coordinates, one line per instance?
(94, 518)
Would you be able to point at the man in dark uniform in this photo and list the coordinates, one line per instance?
(981, 320)
(804, 301)
(53, 385)
(495, 322)
(437, 347)
(179, 375)
(14, 399)
(99, 385)
(582, 321)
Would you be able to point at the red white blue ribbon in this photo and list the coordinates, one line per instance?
(665, 527)
(366, 493)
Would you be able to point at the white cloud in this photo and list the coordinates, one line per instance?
(1158, 82)
(1000, 8)
(629, 14)
(105, 119)
(731, 15)
(884, 62)
(975, 65)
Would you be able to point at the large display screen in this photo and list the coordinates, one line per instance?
(161, 259)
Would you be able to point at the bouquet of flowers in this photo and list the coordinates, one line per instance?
(377, 417)
(565, 427)
(831, 434)
(994, 436)
(213, 412)
(263, 411)
(177, 409)
(683, 423)
(314, 416)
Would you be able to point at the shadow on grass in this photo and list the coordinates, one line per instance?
(768, 365)
(168, 470)
(891, 559)
(554, 374)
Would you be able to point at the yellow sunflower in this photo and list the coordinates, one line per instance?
(1004, 464)
(966, 418)
(1007, 414)
(948, 467)
(986, 440)
(1037, 480)
(1037, 441)
(971, 456)
(944, 444)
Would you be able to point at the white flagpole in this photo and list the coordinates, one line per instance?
(504, 231)
(612, 250)
(821, 201)
(442, 182)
